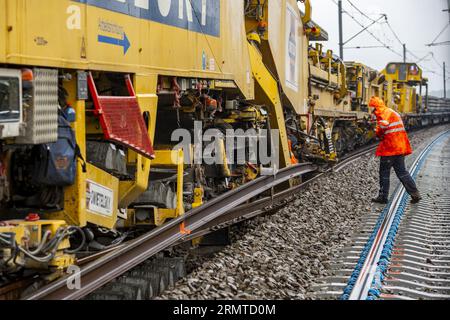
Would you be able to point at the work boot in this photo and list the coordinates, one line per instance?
(415, 198)
(380, 199)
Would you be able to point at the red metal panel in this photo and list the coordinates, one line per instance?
(121, 119)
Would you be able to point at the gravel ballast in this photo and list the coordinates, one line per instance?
(281, 256)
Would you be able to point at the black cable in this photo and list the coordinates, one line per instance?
(83, 240)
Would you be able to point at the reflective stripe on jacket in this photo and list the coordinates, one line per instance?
(392, 132)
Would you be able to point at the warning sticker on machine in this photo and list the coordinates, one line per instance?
(99, 199)
(292, 48)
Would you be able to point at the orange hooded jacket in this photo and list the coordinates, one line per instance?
(391, 131)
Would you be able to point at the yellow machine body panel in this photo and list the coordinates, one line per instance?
(284, 47)
(30, 233)
(140, 36)
(270, 88)
(363, 81)
(3, 28)
(407, 102)
(324, 99)
(102, 196)
(403, 72)
(289, 48)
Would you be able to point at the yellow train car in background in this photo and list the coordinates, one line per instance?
(402, 82)
(404, 91)
(364, 83)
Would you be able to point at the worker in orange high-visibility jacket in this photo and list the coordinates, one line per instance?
(393, 148)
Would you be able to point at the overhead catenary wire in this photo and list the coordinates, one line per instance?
(361, 12)
(418, 59)
(433, 43)
(444, 43)
(371, 33)
(436, 61)
(394, 33)
(424, 57)
(365, 29)
(383, 43)
(366, 47)
(396, 36)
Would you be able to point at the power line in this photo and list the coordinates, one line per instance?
(365, 29)
(412, 53)
(418, 59)
(361, 12)
(383, 44)
(424, 57)
(402, 43)
(436, 61)
(365, 47)
(394, 33)
(440, 33)
(445, 43)
(374, 36)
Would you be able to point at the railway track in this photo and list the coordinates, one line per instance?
(133, 257)
(229, 209)
(404, 252)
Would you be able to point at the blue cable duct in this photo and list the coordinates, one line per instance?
(355, 274)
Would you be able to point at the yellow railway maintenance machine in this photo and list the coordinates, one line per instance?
(95, 96)
(311, 81)
(91, 92)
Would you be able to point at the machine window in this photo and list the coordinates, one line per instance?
(402, 72)
(392, 68)
(413, 70)
(9, 99)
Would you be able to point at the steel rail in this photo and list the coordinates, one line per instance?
(352, 157)
(235, 215)
(122, 255)
(273, 202)
(110, 266)
(249, 210)
(367, 274)
(122, 258)
(240, 213)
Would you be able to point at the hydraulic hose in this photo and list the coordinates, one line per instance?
(83, 239)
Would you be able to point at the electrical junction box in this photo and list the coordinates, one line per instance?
(10, 103)
(41, 115)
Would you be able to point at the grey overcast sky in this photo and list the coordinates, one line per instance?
(416, 23)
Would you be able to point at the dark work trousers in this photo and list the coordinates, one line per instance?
(398, 162)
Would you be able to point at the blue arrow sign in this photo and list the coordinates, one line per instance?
(124, 42)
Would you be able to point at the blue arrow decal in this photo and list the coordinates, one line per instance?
(125, 43)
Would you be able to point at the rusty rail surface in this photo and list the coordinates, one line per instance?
(110, 266)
